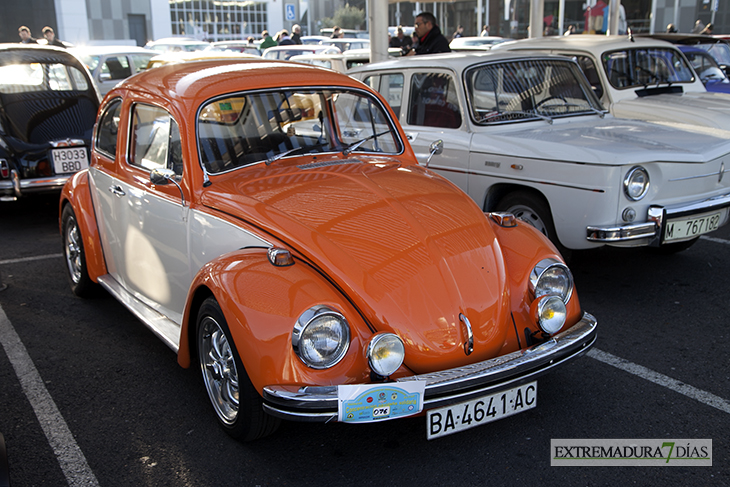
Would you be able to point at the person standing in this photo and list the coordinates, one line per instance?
(336, 33)
(401, 40)
(51, 37)
(459, 32)
(267, 42)
(25, 37)
(430, 38)
(296, 36)
(485, 31)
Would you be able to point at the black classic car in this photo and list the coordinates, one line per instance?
(48, 106)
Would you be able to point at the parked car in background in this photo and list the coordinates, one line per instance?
(360, 34)
(177, 44)
(283, 53)
(345, 44)
(335, 62)
(638, 78)
(48, 105)
(710, 73)
(182, 57)
(313, 39)
(269, 222)
(525, 134)
(235, 46)
(475, 43)
(111, 64)
(718, 48)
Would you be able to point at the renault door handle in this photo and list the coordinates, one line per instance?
(117, 190)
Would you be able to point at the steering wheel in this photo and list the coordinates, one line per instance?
(550, 98)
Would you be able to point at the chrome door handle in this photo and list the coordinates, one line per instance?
(117, 190)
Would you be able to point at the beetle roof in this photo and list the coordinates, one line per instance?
(201, 80)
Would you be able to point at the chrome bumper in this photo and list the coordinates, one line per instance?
(447, 386)
(15, 187)
(654, 226)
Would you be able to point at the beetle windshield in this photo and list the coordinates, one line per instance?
(528, 90)
(248, 128)
(632, 68)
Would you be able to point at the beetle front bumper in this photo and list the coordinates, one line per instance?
(656, 219)
(319, 403)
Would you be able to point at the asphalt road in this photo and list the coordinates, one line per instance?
(137, 418)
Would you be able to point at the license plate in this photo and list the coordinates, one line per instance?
(693, 226)
(68, 160)
(465, 415)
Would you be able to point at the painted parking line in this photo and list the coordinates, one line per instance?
(69, 455)
(662, 380)
(30, 259)
(716, 240)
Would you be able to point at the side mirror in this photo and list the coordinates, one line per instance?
(162, 176)
(105, 77)
(436, 148)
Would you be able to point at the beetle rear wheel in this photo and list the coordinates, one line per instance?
(238, 406)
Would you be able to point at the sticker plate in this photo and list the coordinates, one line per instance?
(69, 160)
(364, 403)
(465, 415)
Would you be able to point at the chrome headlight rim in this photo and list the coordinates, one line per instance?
(541, 269)
(556, 308)
(629, 181)
(310, 318)
(378, 340)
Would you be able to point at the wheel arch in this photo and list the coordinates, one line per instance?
(498, 191)
(77, 194)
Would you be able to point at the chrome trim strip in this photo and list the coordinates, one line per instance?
(447, 386)
(35, 184)
(167, 330)
(621, 234)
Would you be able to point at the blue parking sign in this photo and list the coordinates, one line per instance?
(291, 13)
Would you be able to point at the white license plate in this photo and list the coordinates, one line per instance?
(465, 415)
(69, 160)
(693, 226)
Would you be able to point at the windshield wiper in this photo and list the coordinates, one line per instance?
(582, 107)
(495, 115)
(295, 149)
(351, 148)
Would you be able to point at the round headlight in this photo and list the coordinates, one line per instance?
(550, 314)
(386, 353)
(636, 183)
(321, 337)
(551, 277)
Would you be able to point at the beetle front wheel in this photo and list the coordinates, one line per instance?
(237, 405)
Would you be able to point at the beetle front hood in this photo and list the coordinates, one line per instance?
(609, 141)
(408, 248)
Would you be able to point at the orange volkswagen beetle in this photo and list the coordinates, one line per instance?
(270, 223)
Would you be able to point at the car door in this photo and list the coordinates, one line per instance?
(430, 108)
(114, 69)
(144, 226)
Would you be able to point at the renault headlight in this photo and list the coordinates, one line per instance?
(551, 277)
(321, 337)
(636, 183)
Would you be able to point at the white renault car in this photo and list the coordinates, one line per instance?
(526, 134)
(638, 78)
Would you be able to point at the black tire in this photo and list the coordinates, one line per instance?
(535, 211)
(238, 407)
(75, 256)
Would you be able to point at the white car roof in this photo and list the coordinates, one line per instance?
(101, 50)
(595, 44)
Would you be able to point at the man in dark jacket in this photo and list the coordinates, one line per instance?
(430, 38)
(51, 37)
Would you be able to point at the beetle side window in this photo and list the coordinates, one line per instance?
(106, 138)
(434, 101)
(155, 140)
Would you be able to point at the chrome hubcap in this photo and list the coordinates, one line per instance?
(529, 216)
(73, 250)
(219, 370)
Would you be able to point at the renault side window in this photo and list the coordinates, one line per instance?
(433, 101)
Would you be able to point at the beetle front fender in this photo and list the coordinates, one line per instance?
(77, 193)
(261, 303)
